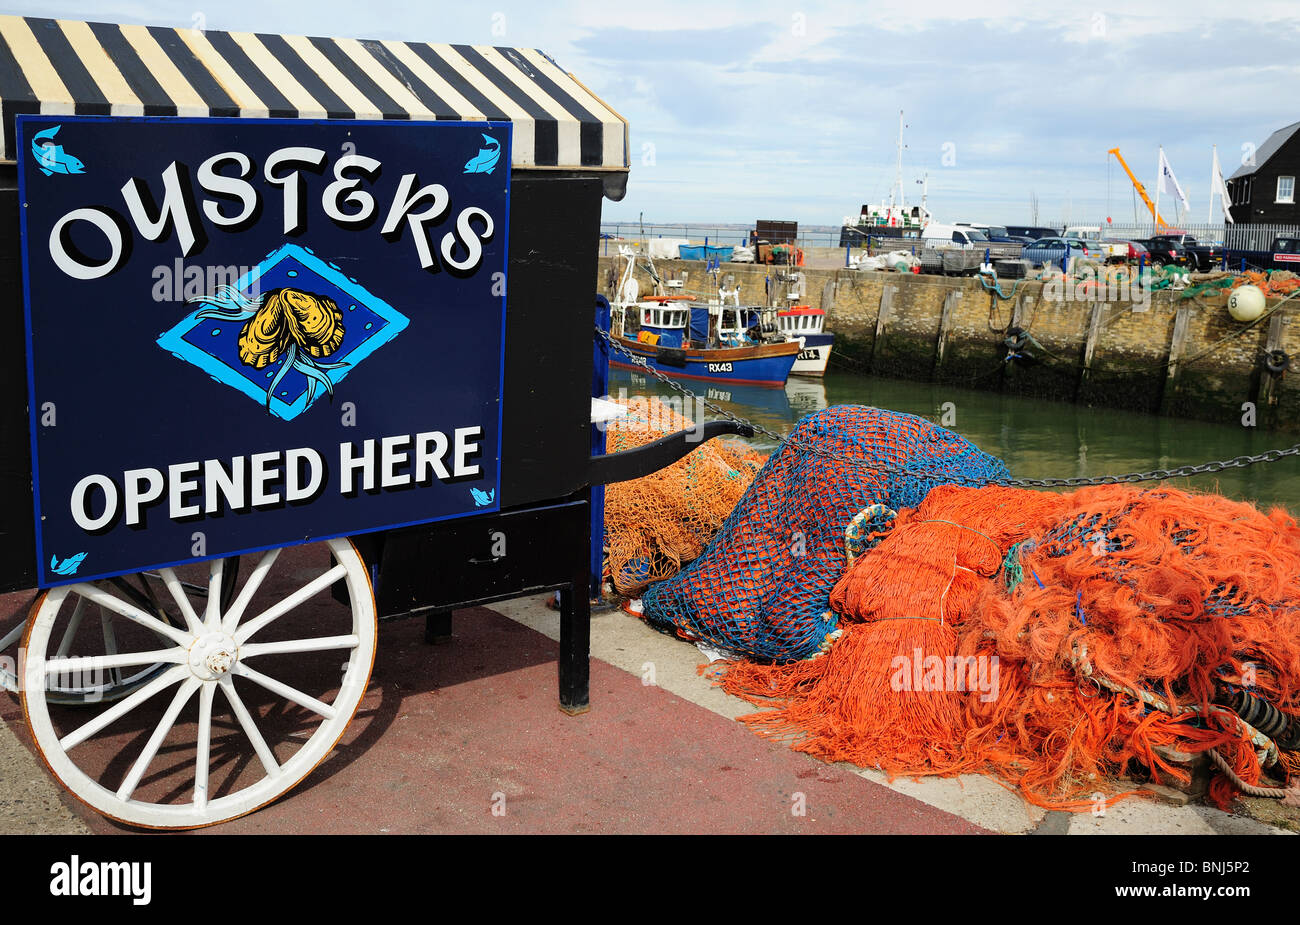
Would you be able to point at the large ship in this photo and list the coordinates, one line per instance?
(892, 218)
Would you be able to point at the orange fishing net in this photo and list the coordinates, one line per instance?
(1051, 639)
(1274, 282)
(656, 523)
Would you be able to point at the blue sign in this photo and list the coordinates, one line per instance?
(252, 333)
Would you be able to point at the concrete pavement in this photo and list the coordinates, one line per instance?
(466, 737)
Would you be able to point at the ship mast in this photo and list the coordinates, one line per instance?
(898, 174)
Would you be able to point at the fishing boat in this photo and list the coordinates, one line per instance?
(712, 342)
(719, 341)
(805, 324)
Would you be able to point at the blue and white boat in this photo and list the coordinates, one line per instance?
(806, 325)
(724, 344)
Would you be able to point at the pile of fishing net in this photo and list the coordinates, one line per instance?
(1273, 282)
(762, 587)
(656, 523)
(1060, 641)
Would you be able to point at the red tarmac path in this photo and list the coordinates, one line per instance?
(446, 732)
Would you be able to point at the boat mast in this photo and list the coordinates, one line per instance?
(898, 174)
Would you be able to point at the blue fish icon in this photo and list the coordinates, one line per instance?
(482, 498)
(486, 159)
(51, 157)
(69, 565)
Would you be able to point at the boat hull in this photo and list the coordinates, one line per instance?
(767, 365)
(814, 355)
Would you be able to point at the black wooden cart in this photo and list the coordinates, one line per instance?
(129, 681)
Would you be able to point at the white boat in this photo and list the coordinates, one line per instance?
(892, 218)
(806, 325)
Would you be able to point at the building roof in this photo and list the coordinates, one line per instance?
(1267, 150)
(57, 66)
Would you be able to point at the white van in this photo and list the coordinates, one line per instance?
(962, 236)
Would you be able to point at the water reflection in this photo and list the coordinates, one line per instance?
(1036, 439)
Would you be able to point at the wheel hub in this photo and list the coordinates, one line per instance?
(213, 656)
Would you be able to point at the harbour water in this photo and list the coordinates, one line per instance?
(1036, 439)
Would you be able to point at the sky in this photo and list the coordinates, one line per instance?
(755, 109)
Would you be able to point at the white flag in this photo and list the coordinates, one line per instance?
(1168, 180)
(1218, 186)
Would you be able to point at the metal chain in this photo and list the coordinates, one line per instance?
(1237, 462)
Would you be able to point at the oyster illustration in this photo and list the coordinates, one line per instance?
(290, 316)
(314, 321)
(299, 326)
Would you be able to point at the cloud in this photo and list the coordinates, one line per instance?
(791, 111)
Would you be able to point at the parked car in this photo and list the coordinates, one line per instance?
(1196, 256)
(1089, 237)
(1047, 250)
(936, 235)
(1133, 248)
(1031, 233)
(1165, 251)
(997, 234)
(1283, 254)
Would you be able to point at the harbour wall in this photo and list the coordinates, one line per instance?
(1146, 351)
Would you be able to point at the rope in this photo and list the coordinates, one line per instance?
(1269, 793)
(996, 287)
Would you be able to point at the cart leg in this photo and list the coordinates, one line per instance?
(575, 647)
(437, 627)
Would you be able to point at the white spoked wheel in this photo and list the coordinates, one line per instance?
(111, 684)
(12, 631)
(239, 702)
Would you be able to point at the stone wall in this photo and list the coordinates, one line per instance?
(1159, 354)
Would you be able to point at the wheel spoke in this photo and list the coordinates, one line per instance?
(318, 644)
(177, 590)
(182, 697)
(13, 635)
(98, 663)
(110, 640)
(122, 707)
(74, 623)
(285, 691)
(302, 595)
(264, 753)
(212, 615)
(240, 604)
(204, 748)
(133, 613)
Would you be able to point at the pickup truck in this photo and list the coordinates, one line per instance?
(1283, 255)
(1187, 250)
(1089, 239)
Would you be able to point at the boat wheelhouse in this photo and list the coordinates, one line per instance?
(666, 318)
(806, 324)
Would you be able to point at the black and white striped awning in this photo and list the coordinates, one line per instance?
(57, 66)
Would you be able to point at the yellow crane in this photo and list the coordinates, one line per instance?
(1141, 190)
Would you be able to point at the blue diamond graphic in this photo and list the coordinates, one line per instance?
(212, 344)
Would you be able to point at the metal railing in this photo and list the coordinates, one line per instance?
(1233, 237)
(702, 233)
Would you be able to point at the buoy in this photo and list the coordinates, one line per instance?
(1246, 303)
